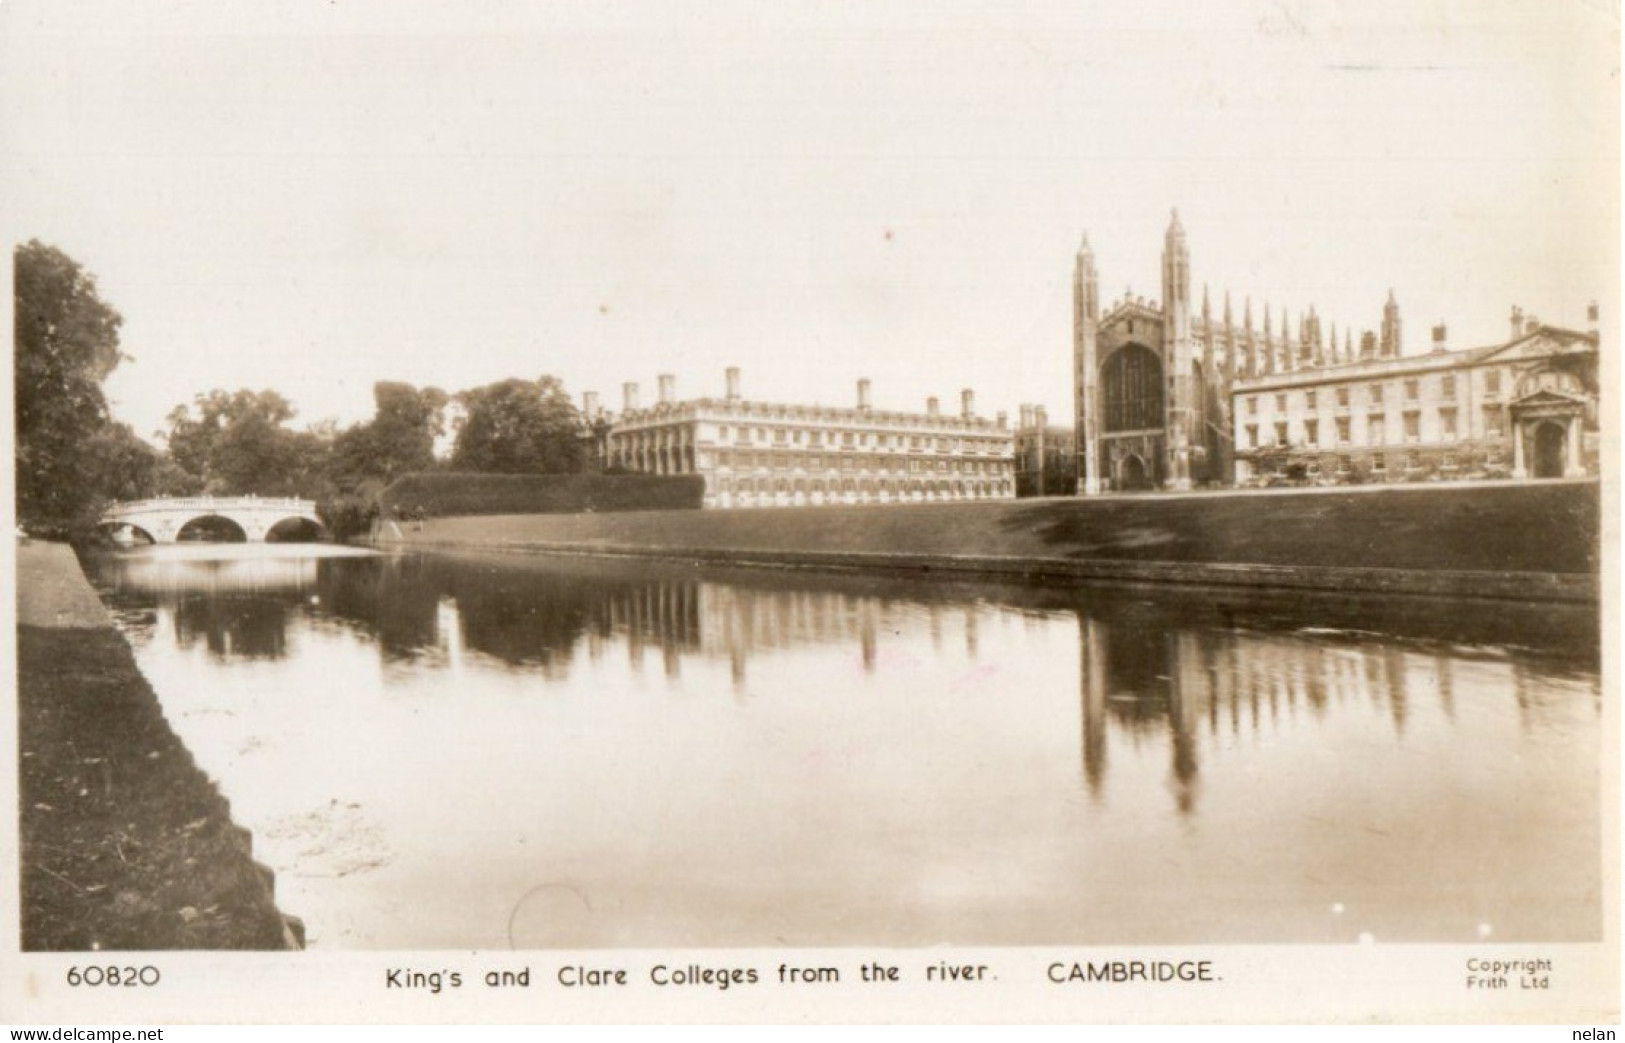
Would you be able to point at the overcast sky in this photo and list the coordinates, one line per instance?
(314, 196)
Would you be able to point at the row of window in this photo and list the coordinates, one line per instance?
(1410, 389)
(1376, 430)
(836, 487)
(899, 464)
(816, 439)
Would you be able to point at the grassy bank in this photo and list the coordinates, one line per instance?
(126, 844)
(1511, 529)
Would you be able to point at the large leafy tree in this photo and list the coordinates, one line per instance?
(518, 427)
(195, 439)
(398, 440)
(238, 443)
(66, 342)
(124, 467)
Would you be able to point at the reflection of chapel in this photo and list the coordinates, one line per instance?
(1170, 400)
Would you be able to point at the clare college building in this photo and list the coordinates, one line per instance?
(1170, 398)
(763, 454)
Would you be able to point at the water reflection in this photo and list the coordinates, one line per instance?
(527, 611)
(1150, 662)
(235, 605)
(172, 570)
(1203, 688)
(906, 741)
(231, 626)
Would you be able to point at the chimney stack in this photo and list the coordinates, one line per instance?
(668, 388)
(589, 404)
(1004, 420)
(1040, 417)
(932, 407)
(967, 404)
(1025, 413)
(1593, 319)
(863, 395)
(1439, 338)
(733, 383)
(1517, 322)
(629, 392)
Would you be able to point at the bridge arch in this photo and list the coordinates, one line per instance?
(295, 528)
(125, 533)
(211, 528)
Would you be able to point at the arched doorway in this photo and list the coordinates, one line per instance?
(1551, 444)
(1131, 476)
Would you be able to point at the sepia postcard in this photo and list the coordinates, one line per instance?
(1037, 511)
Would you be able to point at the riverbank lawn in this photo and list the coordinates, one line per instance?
(125, 843)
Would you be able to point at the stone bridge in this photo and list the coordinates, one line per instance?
(249, 518)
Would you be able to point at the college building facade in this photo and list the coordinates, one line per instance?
(1169, 398)
(1526, 408)
(760, 454)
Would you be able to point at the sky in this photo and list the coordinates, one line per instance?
(314, 196)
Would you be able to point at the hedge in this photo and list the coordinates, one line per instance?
(436, 495)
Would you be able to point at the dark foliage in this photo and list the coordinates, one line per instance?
(452, 494)
(66, 342)
(518, 427)
(398, 440)
(237, 443)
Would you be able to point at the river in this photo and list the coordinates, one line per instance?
(467, 752)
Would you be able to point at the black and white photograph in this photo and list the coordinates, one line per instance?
(1061, 511)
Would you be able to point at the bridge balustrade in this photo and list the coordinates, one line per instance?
(191, 503)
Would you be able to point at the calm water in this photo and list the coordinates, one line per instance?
(483, 752)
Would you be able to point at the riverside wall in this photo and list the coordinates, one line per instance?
(1522, 541)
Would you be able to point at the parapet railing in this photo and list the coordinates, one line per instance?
(193, 503)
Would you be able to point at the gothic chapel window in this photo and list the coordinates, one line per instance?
(1132, 382)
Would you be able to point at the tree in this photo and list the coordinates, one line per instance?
(518, 427)
(124, 467)
(66, 342)
(194, 441)
(366, 458)
(253, 455)
(398, 440)
(238, 444)
(350, 512)
(405, 426)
